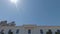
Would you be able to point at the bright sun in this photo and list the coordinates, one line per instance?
(14, 1)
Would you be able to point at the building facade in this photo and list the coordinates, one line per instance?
(10, 28)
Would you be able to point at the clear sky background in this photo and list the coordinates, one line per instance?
(40, 12)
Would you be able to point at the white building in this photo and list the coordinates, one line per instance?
(10, 28)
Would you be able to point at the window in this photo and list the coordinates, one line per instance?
(49, 32)
(58, 32)
(10, 32)
(29, 31)
(2, 32)
(17, 31)
(41, 31)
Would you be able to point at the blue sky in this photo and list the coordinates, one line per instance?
(40, 12)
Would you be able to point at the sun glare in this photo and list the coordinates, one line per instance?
(14, 1)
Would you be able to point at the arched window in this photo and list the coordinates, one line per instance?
(29, 31)
(2, 32)
(41, 31)
(49, 32)
(17, 31)
(10, 32)
(58, 32)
